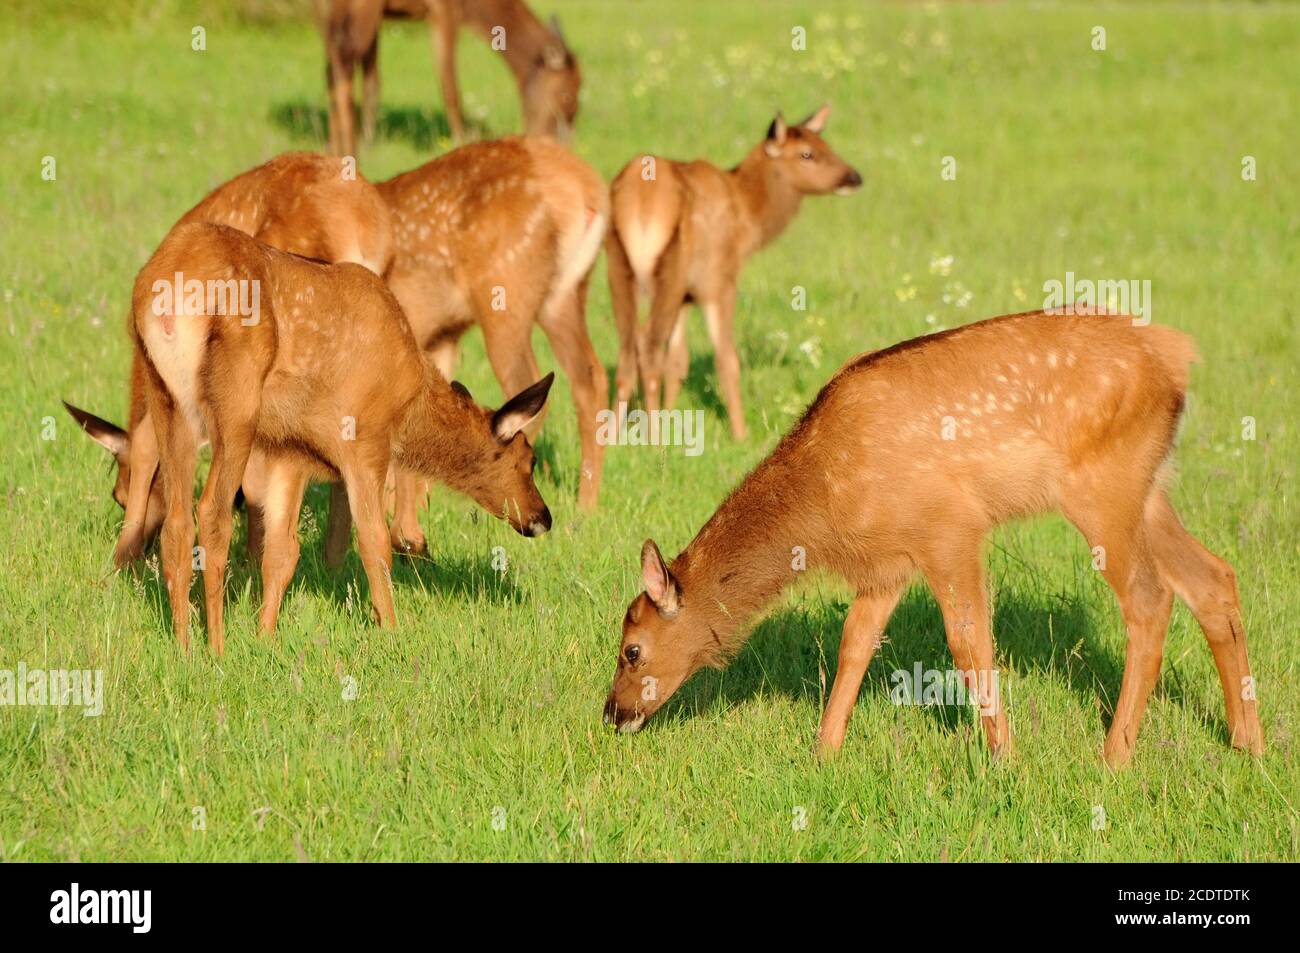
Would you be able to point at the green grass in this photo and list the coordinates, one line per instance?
(1116, 164)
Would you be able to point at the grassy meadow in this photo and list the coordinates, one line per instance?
(472, 730)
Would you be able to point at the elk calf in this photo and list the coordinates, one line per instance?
(503, 235)
(680, 233)
(544, 68)
(324, 379)
(904, 462)
(300, 202)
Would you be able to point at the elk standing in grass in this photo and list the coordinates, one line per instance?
(503, 235)
(904, 462)
(543, 66)
(312, 205)
(324, 379)
(680, 233)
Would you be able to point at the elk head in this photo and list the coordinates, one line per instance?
(804, 160)
(550, 93)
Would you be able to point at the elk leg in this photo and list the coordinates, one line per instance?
(341, 118)
(1145, 600)
(443, 27)
(956, 577)
(1209, 587)
(365, 482)
(285, 486)
(338, 528)
(370, 90)
(622, 293)
(411, 490)
(508, 340)
(254, 485)
(678, 364)
(720, 317)
(143, 461)
(665, 305)
(565, 325)
(231, 445)
(864, 627)
(177, 456)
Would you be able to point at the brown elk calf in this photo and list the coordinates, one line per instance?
(503, 235)
(317, 369)
(679, 234)
(312, 205)
(544, 69)
(904, 462)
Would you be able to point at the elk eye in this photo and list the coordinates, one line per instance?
(632, 653)
(806, 154)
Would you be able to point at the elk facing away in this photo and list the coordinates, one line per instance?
(503, 235)
(543, 66)
(300, 202)
(904, 462)
(322, 376)
(680, 233)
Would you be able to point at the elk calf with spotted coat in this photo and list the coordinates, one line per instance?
(904, 463)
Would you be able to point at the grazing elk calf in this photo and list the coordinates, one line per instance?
(503, 235)
(904, 462)
(544, 69)
(316, 369)
(300, 202)
(681, 231)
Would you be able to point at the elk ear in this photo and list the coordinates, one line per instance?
(817, 121)
(109, 436)
(555, 54)
(519, 411)
(659, 583)
(776, 136)
(559, 31)
(461, 389)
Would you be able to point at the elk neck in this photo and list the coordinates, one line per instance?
(441, 433)
(746, 554)
(765, 199)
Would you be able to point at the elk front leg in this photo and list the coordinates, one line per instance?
(956, 577)
(410, 494)
(864, 628)
(285, 486)
(719, 314)
(678, 364)
(365, 484)
(443, 25)
(143, 460)
(370, 91)
(338, 528)
(342, 133)
(565, 325)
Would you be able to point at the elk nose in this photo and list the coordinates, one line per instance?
(852, 180)
(541, 524)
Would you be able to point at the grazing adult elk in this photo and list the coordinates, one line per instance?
(904, 462)
(503, 235)
(312, 205)
(322, 376)
(679, 234)
(544, 68)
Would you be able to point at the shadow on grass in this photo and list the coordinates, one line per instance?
(456, 576)
(1054, 636)
(421, 128)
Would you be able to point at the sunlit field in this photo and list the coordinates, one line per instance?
(473, 730)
